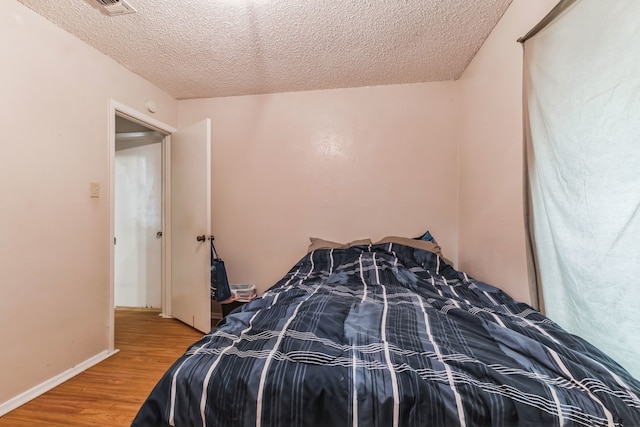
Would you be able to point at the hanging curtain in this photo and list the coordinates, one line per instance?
(582, 137)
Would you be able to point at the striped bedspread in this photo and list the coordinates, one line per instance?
(389, 335)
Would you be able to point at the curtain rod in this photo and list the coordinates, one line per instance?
(555, 12)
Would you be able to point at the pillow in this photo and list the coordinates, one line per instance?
(418, 244)
(427, 237)
(359, 243)
(317, 243)
(414, 243)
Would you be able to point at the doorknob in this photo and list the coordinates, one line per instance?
(201, 238)
(159, 234)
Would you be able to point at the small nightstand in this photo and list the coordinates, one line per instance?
(230, 306)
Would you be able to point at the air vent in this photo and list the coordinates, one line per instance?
(113, 7)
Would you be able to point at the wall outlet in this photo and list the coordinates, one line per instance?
(94, 190)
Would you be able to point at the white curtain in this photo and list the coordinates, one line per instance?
(582, 115)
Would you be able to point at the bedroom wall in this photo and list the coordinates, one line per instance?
(492, 238)
(338, 164)
(54, 293)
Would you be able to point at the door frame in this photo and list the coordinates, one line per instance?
(118, 109)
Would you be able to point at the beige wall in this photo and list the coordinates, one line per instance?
(492, 239)
(338, 164)
(54, 251)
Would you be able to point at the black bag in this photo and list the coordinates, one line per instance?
(220, 290)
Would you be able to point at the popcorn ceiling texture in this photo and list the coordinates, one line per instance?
(214, 48)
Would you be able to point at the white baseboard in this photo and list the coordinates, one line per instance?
(47, 385)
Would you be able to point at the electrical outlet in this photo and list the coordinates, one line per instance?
(94, 190)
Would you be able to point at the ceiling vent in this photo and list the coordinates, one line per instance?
(113, 7)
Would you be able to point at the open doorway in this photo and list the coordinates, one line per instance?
(138, 177)
(136, 131)
(185, 216)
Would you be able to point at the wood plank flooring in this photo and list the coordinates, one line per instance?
(110, 393)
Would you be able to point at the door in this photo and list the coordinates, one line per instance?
(191, 219)
(138, 222)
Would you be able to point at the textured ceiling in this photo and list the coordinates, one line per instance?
(212, 48)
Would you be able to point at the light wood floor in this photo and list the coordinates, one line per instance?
(110, 393)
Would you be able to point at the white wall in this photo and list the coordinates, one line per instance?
(287, 166)
(492, 238)
(54, 252)
(338, 164)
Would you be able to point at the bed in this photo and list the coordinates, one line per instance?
(389, 334)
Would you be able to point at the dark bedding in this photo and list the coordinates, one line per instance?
(389, 335)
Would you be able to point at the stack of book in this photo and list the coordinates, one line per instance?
(243, 292)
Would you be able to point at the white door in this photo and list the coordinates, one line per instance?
(190, 219)
(137, 222)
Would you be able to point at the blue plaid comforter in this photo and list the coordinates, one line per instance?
(389, 335)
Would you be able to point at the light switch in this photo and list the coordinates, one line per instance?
(94, 190)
